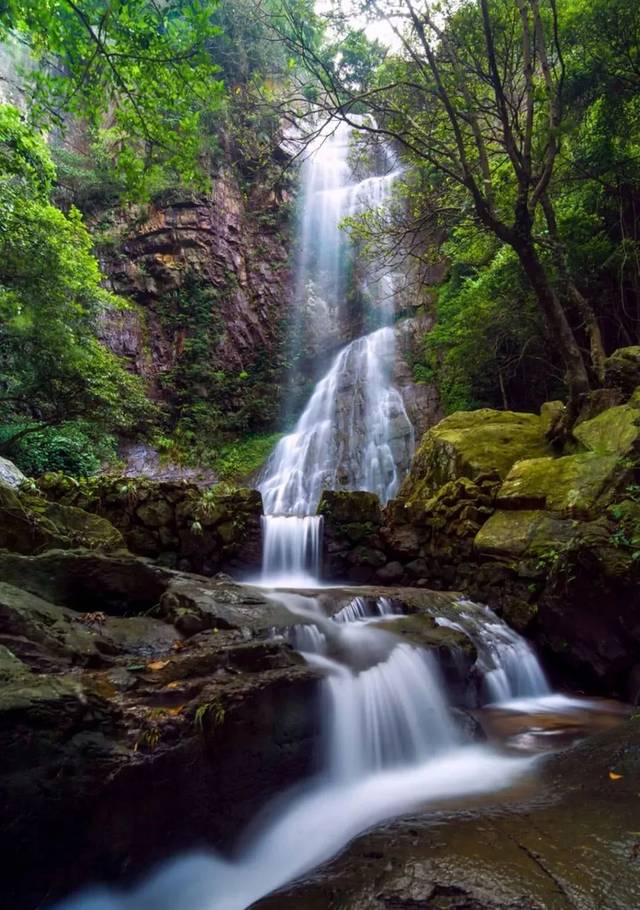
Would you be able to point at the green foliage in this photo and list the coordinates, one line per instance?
(488, 344)
(208, 406)
(210, 712)
(139, 73)
(236, 461)
(73, 449)
(52, 368)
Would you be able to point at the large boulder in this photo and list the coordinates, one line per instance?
(573, 485)
(10, 474)
(353, 549)
(615, 431)
(119, 585)
(472, 444)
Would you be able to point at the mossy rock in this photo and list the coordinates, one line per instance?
(350, 508)
(472, 444)
(156, 513)
(526, 532)
(29, 524)
(622, 369)
(12, 669)
(573, 485)
(615, 431)
(519, 614)
(423, 630)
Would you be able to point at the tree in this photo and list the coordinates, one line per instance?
(52, 368)
(139, 70)
(474, 98)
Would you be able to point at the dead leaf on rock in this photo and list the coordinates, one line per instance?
(157, 664)
(614, 776)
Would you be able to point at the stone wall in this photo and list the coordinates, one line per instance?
(177, 523)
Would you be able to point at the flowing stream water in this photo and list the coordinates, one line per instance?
(389, 745)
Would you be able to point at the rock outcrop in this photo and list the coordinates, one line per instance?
(31, 524)
(233, 245)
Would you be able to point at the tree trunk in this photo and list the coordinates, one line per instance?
(576, 374)
(578, 299)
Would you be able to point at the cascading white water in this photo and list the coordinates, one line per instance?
(389, 745)
(509, 665)
(354, 433)
(292, 549)
(365, 608)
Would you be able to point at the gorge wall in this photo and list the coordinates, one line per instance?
(208, 279)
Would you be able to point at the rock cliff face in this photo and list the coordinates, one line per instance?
(230, 244)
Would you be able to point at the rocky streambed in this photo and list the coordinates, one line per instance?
(565, 838)
(146, 711)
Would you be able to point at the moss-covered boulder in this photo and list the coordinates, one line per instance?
(571, 485)
(472, 444)
(622, 369)
(616, 431)
(526, 532)
(31, 524)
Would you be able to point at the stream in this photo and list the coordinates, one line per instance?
(390, 746)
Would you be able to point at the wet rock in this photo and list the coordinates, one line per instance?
(192, 606)
(10, 474)
(134, 755)
(564, 839)
(88, 582)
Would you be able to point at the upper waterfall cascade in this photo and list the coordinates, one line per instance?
(354, 433)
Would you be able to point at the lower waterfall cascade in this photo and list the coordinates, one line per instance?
(389, 745)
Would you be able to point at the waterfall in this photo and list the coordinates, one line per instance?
(508, 664)
(365, 608)
(291, 549)
(354, 433)
(389, 745)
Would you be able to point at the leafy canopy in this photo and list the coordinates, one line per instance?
(137, 70)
